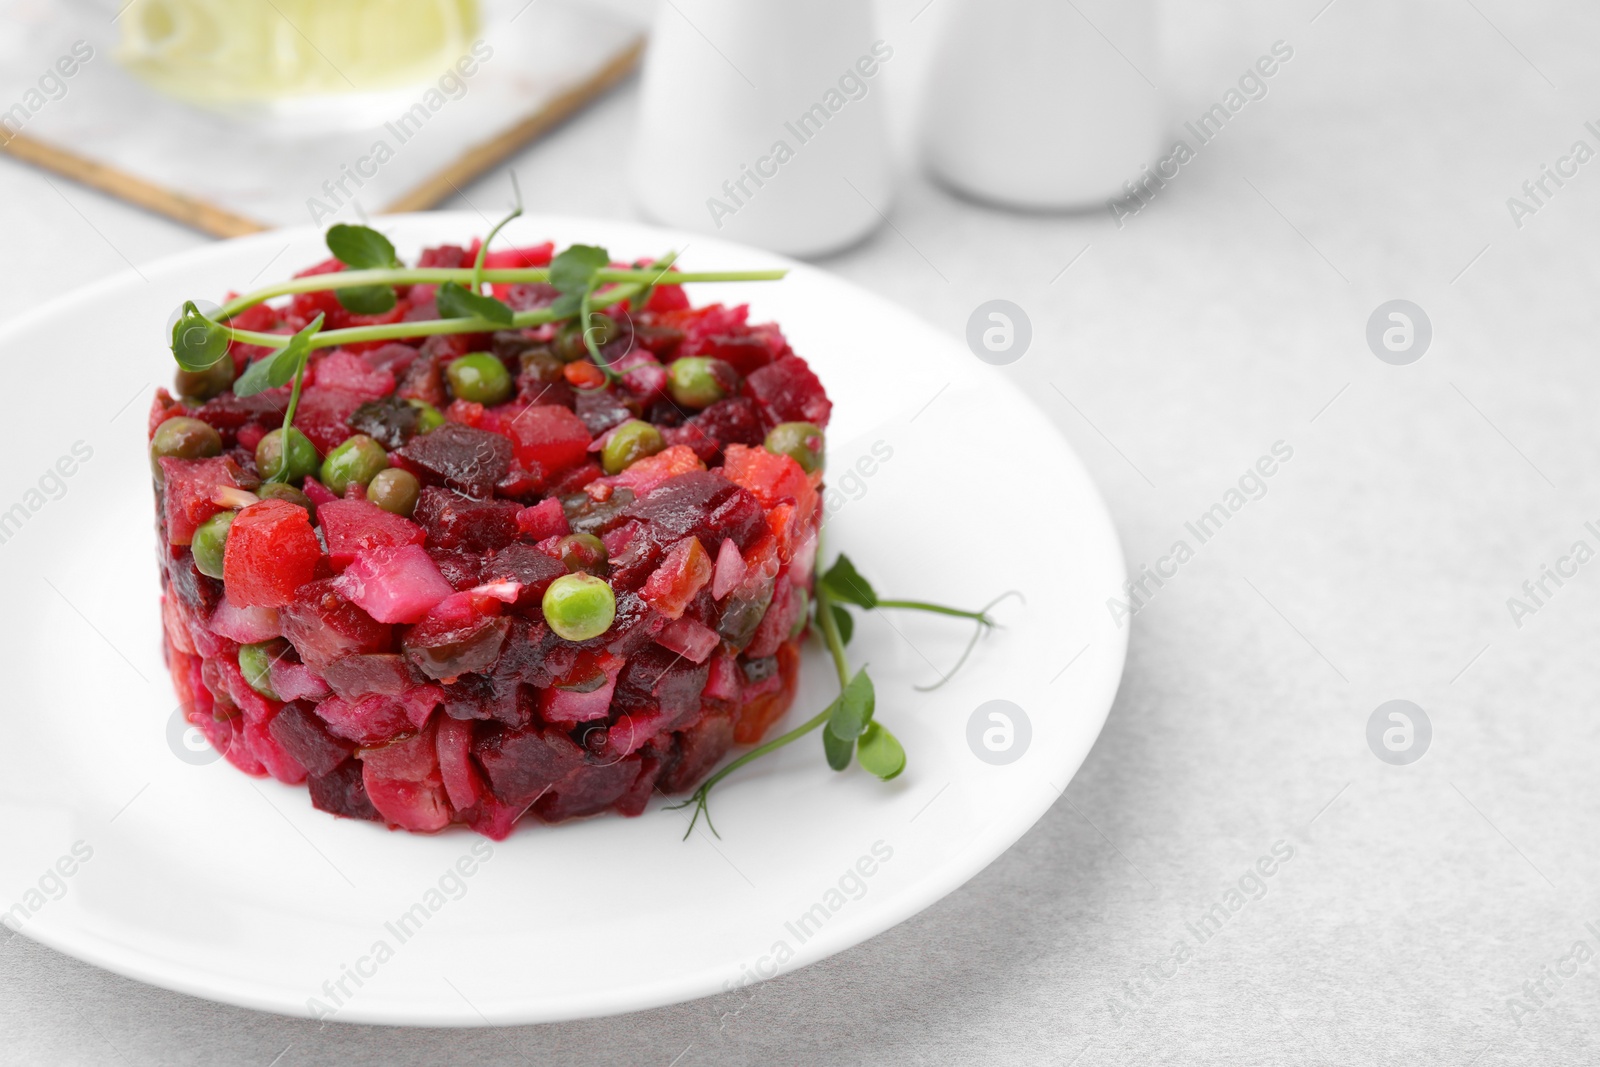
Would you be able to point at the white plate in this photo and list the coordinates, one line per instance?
(204, 880)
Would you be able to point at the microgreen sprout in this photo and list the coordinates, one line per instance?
(849, 728)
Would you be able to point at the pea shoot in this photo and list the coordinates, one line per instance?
(849, 729)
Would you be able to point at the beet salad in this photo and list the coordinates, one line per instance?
(522, 547)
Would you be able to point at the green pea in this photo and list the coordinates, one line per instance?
(357, 462)
(430, 418)
(255, 663)
(583, 552)
(183, 438)
(210, 543)
(801, 441)
(395, 491)
(285, 491)
(579, 606)
(696, 381)
(569, 345)
(303, 458)
(202, 385)
(628, 443)
(479, 377)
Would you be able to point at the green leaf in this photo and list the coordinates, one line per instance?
(837, 751)
(367, 299)
(197, 342)
(845, 621)
(573, 270)
(361, 247)
(880, 752)
(853, 710)
(455, 302)
(278, 369)
(845, 583)
(566, 304)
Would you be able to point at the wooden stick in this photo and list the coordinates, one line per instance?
(184, 209)
(479, 158)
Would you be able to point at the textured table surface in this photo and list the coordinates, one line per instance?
(1434, 913)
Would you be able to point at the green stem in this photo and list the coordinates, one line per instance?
(428, 327)
(462, 275)
(937, 609)
(830, 635)
(282, 473)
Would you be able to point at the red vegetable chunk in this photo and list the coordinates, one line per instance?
(393, 584)
(187, 497)
(551, 437)
(353, 526)
(272, 551)
(323, 626)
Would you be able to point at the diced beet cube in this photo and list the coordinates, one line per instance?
(264, 747)
(354, 677)
(550, 436)
(446, 647)
(587, 790)
(683, 572)
(352, 526)
(304, 735)
(746, 353)
(342, 792)
(528, 567)
(690, 639)
(295, 681)
(463, 784)
(373, 719)
(245, 625)
(665, 679)
(413, 758)
(637, 797)
(271, 552)
(398, 584)
(636, 625)
(727, 422)
(788, 391)
(522, 764)
(345, 370)
(461, 568)
(698, 750)
(323, 626)
(461, 458)
(544, 519)
(599, 410)
(702, 503)
(323, 415)
(420, 807)
(190, 485)
(726, 681)
(729, 570)
(456, 521)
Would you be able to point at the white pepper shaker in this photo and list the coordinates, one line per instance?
(1044, 104)
(761, 121)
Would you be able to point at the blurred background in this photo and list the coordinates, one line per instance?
(1177, 335)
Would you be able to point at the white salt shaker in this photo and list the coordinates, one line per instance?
(1044, 104)
(761, 121)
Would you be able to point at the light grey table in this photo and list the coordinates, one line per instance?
(1428, 914)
